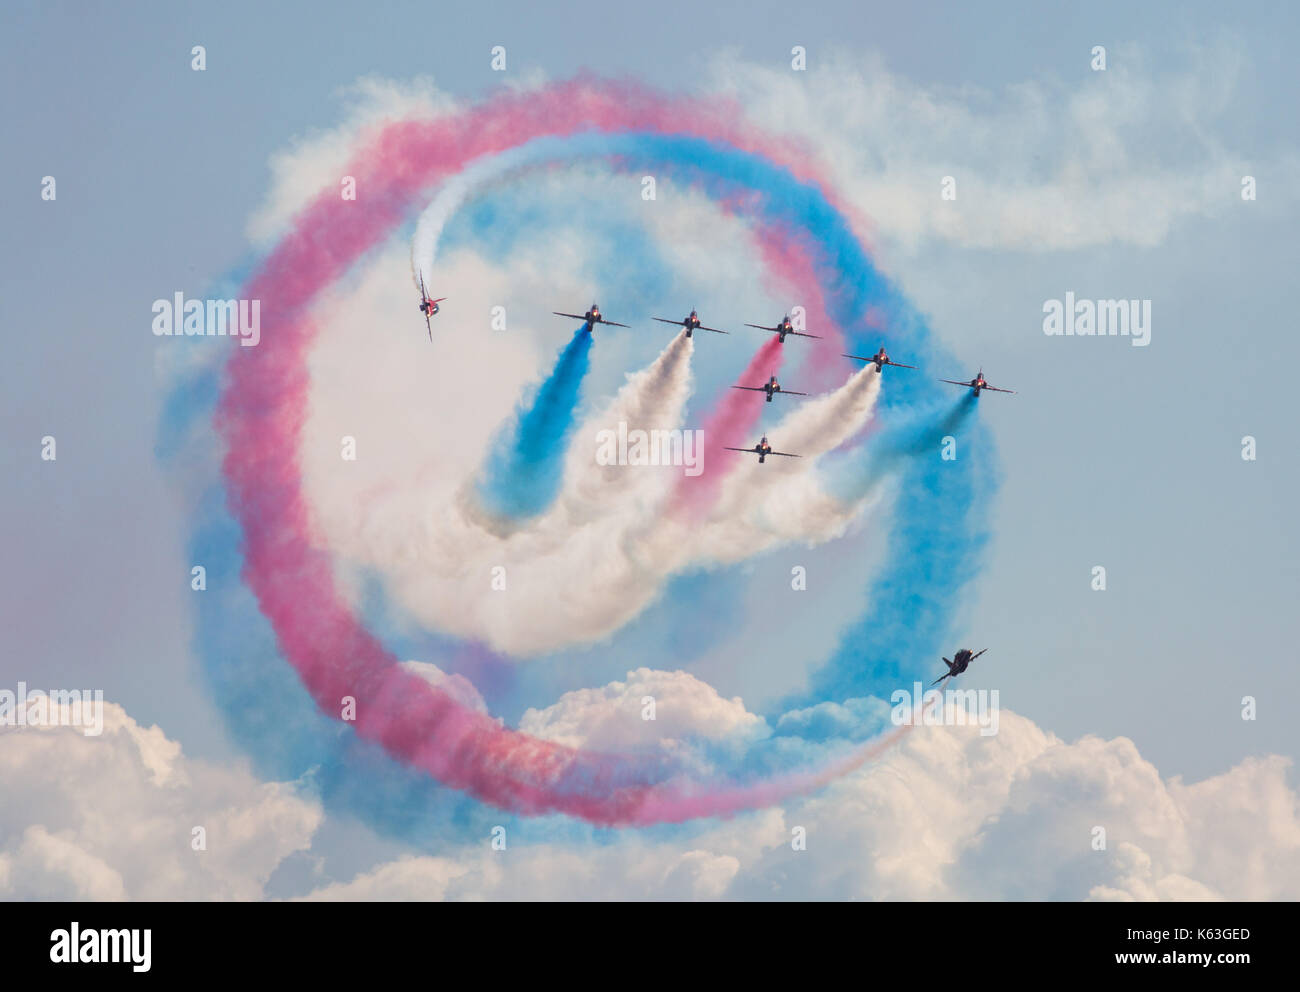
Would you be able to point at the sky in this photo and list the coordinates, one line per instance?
(1117, 184)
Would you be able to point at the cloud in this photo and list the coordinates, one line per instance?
(948, 815)
(1121, 155)
(407, 879)
(457, 686)
(611, 718)
(111, 817)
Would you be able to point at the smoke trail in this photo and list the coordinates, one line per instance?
(523, 474)
(918, 432)
(938, 516)
(428, 230)
(261, 411)
(651, 399)
(434, 572)
(764, 505)
(456, 190)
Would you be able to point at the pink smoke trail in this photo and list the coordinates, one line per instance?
(729, 425)
(822, 362)
(260, 417)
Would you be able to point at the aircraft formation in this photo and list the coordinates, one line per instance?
(692, 323)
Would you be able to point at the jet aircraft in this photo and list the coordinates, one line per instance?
(771, 387)
(592, 317)
(977, 384)
(881, 358)
(784, 328)
(763, 449)
(428, 307)
(960, 662)
(691, 323)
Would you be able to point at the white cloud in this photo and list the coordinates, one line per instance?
(407, 879)
(611, 718)
(455, 685)
(110, 817)
(1039, 166)
(948, 815)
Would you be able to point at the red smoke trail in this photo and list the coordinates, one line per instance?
(821, 362)
(260, 417)
(729, 425)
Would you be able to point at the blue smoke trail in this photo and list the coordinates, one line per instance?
(936, 533)
(524, 471)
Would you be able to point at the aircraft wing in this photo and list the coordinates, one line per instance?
(749, 450)
(575, 316)
(996, 390)
(801, 334)
(898, 365)
(762, 328)
(713, 329)
(956, 383)
(665, 320)
(981, 651)
(752, 389)
(859, 358)
(790, 392)
(439, 299)
(784, 454)
(613, 323)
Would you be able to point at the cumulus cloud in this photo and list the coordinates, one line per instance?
(947, 815)
(455, 685)
(112, 817)
(614, 718)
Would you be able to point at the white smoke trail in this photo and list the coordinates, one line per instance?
(429, 228)
(781, 501)
(602, 552)
(456, 190)
(568, 575)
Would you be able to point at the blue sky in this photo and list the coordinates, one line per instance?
(1113, 455)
